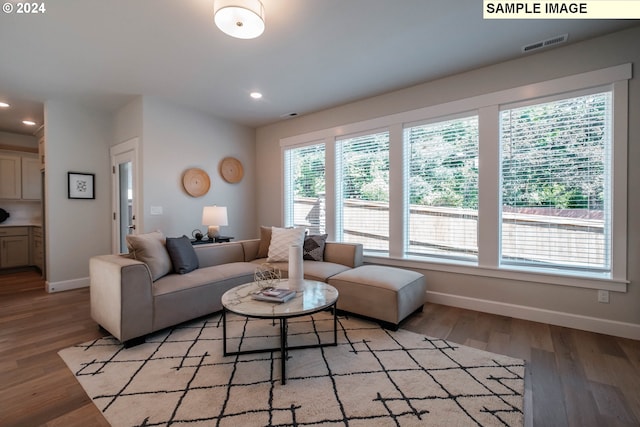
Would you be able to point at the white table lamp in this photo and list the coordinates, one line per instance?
(214, 217)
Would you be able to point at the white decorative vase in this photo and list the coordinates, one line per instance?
(296, 275)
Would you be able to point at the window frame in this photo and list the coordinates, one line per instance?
(288, 208)
(459, 257)
(595, 271)
(339, 175)
(488, 107)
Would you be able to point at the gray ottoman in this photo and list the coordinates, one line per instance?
(387, 294)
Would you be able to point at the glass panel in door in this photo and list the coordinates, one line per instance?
(125, 203)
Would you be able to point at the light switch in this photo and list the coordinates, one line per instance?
(603, 296)
(156, 210)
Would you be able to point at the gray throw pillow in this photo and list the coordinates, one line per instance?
(313, 248)
(183, 256)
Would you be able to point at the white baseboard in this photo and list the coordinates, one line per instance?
(67, 285)
(575, 321)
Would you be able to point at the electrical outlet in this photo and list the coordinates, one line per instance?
(603, 297)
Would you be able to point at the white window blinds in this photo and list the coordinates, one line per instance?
(441, 172)
(363, 190)
(556, 183)
(305, 188)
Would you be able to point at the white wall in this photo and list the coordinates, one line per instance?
(127, 123)
(571, 306)
(176, 139)
(172, 139)
(77, 140)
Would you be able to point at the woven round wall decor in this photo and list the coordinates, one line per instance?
(231, 170)
(196, 182)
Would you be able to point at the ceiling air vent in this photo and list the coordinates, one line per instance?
(545, 43)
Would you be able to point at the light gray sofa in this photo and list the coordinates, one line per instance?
(127, 303)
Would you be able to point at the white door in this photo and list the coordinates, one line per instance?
(124, 167)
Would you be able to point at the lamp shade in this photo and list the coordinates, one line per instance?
(243, 19)
(214, 215)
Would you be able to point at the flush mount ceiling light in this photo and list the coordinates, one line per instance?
(4, 105)
(243, 19)
(255, 95)
(29, 122)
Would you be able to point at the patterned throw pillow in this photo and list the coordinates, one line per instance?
(281, 239)
(313, 249)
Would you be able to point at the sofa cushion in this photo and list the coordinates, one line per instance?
(313, 248)
(265, 241)
(322, 271)
(182, 255)
(281, 240)
(219, 253)
(197, 293)
(385, 293)
(312, 270)
(237, 270)
(150, 249)
(250, 249)
(240, 272)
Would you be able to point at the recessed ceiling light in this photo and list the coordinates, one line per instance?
(255, 95)
(29, 122)
(4, 105)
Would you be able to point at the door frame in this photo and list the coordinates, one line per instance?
(129, 146)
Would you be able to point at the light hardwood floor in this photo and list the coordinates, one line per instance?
(577, 378)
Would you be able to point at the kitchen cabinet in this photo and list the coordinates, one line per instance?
(20, 177)
(10, 176)
(14, 247)
(31, 183)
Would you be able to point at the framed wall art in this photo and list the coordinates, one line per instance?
(81, 185)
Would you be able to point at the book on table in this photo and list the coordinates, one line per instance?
(274, 294)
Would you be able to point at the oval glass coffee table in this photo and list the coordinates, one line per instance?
(312, 297)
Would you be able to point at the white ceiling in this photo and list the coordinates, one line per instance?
(314, 54)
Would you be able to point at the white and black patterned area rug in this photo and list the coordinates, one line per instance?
(373, 377)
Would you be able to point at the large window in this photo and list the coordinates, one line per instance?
(442, 182)
(363, 190)
(556, 183)
(305, 188)
(528, 183)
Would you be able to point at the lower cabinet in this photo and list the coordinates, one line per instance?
(14, 247)
(37, 248)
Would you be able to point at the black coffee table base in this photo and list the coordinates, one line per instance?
(284, 348)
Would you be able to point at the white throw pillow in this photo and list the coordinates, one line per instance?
(281, 239)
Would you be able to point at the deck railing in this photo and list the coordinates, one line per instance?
(541, 235)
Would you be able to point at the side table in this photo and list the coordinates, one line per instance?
(219, 239)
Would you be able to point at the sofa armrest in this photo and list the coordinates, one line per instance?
(121, 296)
(349, 254)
